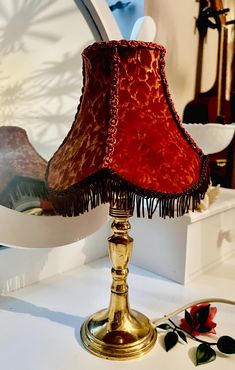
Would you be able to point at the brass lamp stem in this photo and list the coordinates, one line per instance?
(120, 249)
(119, 333)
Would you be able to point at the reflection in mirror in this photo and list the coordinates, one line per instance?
(41, 78)
(22, 170)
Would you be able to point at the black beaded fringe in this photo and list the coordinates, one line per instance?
(106, 186)
(21, 187)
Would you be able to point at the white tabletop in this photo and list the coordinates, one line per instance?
(40, 324)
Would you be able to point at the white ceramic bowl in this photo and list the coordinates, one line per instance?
(211, 137)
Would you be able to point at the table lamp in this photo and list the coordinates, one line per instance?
(22, 169)
(126, 147)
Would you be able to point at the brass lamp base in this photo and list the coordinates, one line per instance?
(119, 333)
(134, 339)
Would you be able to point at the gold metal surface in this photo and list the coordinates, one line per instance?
(119, 333)
(221, 162)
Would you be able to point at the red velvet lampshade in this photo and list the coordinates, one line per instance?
(127, 138)
(22, 169)
(126, 147)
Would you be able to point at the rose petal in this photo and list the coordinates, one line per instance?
(213, 312)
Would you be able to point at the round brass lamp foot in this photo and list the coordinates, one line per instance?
(132, 339)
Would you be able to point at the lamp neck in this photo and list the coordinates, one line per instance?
(120, 249)
(120, 208)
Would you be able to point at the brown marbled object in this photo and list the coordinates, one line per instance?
(19, 161)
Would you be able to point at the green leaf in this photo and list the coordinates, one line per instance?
(182, 335)
(188, 318)
(204, 354)
(171, 338)
(226, 344)
(202, 314)
(164, 326)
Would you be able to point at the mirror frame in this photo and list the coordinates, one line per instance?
(105, 23)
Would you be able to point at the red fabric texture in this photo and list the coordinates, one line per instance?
(83, 152)
(126, 123)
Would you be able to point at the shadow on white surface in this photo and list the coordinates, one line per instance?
(22, 307)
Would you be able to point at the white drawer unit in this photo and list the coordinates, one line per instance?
(181, 248)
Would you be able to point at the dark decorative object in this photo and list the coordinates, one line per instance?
(212, 106)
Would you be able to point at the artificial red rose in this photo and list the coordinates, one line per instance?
(199, 320)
